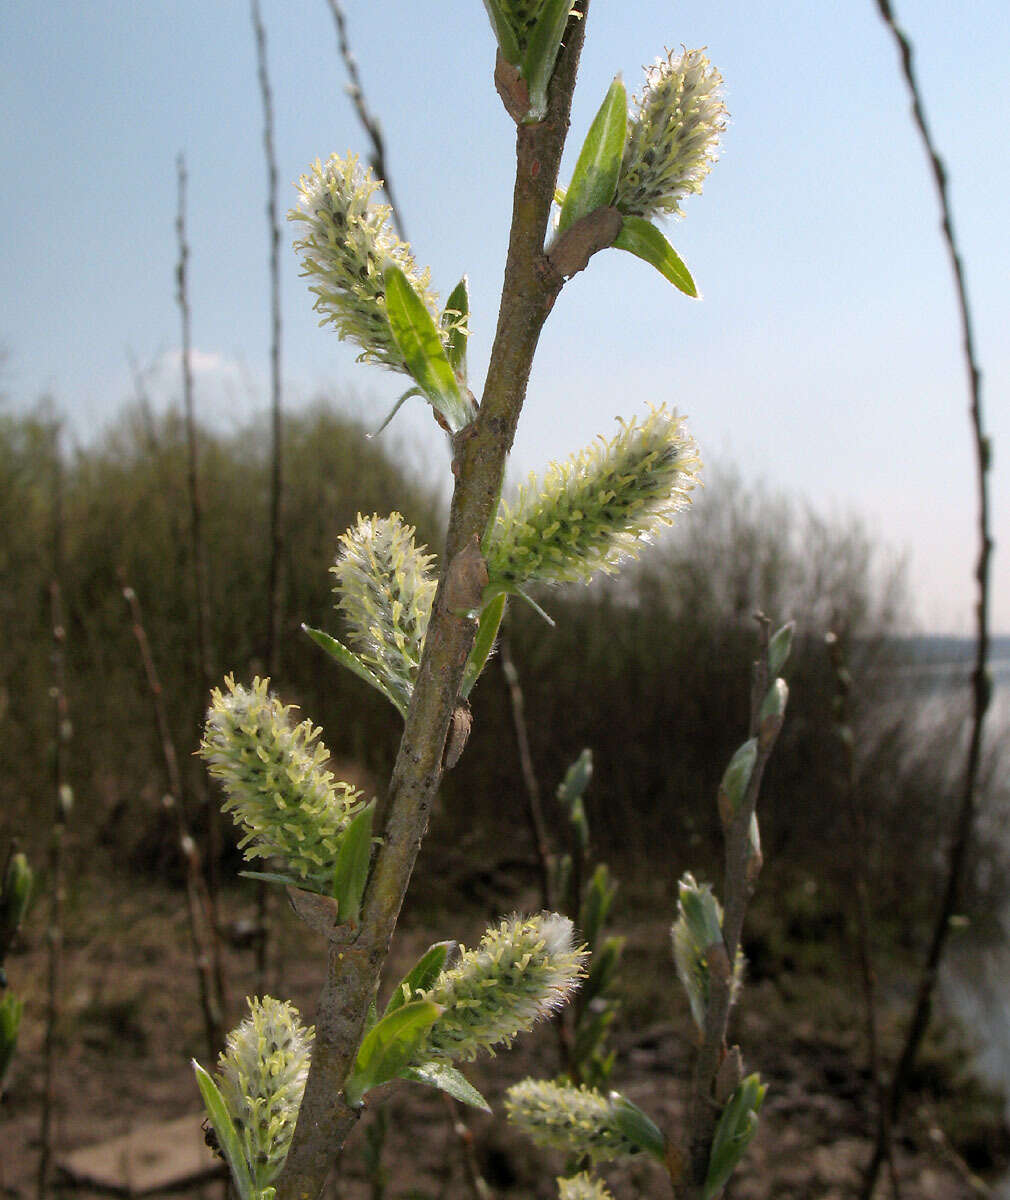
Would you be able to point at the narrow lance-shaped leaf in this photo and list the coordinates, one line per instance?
(389, 1046)
(487, 630)
(779, 648)
(638, 1128)
(351, 871)
(734, 783)
(503, 32)
(454, 319)
(421, 975)
(347, 658)
(542, 53)
(227, 1137)
(418, 340)
(450, 1080)
(737, 1126)
(594, 181)
(646, 242)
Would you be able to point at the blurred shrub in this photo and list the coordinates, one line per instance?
(126, 506)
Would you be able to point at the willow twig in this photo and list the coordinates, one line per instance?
(62, 803)
(370, 123)
(202, 934)
(857, 868)
(274, 611)
(981, 685)
(742, 866)
(198, 558)
(530, 290)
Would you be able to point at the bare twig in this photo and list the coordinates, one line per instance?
(198, 557)
(981, 686)
(857, 869)
(531, 288)
(62, 803)
(274, 610)
(370, 123)
(476, 1184)
(534, 805)
(202, 933)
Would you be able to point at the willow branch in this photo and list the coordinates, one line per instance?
(62, 801)
(981, 686)
(742, 867)
(199, 910)
(369, 122)
(530, 289)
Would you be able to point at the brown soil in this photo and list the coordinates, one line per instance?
(131, 1024)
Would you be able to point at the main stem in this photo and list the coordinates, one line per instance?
(531, 287)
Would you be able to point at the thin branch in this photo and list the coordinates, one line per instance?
(202, 934)
(62, 803)
(534, 805)
(370, 123)
(272, 656)
(981, 686)
(857, 869)
(198, 557)
(742, 867)
(531, 287)
(274, 600)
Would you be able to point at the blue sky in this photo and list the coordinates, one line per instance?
(823, 359)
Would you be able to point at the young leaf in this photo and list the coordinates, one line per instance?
(542, 53)
(417, 337)
(347, 658)
(227, 1137)
(640, 238)
(735, 780)
(421, 975)
(414, 391)
(737, 1126)
(350, 873)
(273, 877)
(638, 1128)
(455, 314)
(389, 1046)
(595, 179)
(576, 779)
(503, 32)
(487, 631)
(596, 904)
(779, 647)
(449, 1080)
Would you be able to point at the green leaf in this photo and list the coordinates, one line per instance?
(576, 779)
(487, 630)
(227, 1137)
(640, 238)
(457, 307)
(350, 873)
(592, 1031)
(602, 969)
(594, 182)
(414, 391)
(737, 776)
(542, 53)
(447, 1079)
(779, 647)
(737, 1126)
(347, 658)
(421, 975)
(596, 904)
(503, 32)
(274, 877)
(418, 340)
(389, 1046)
(638, 1128)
